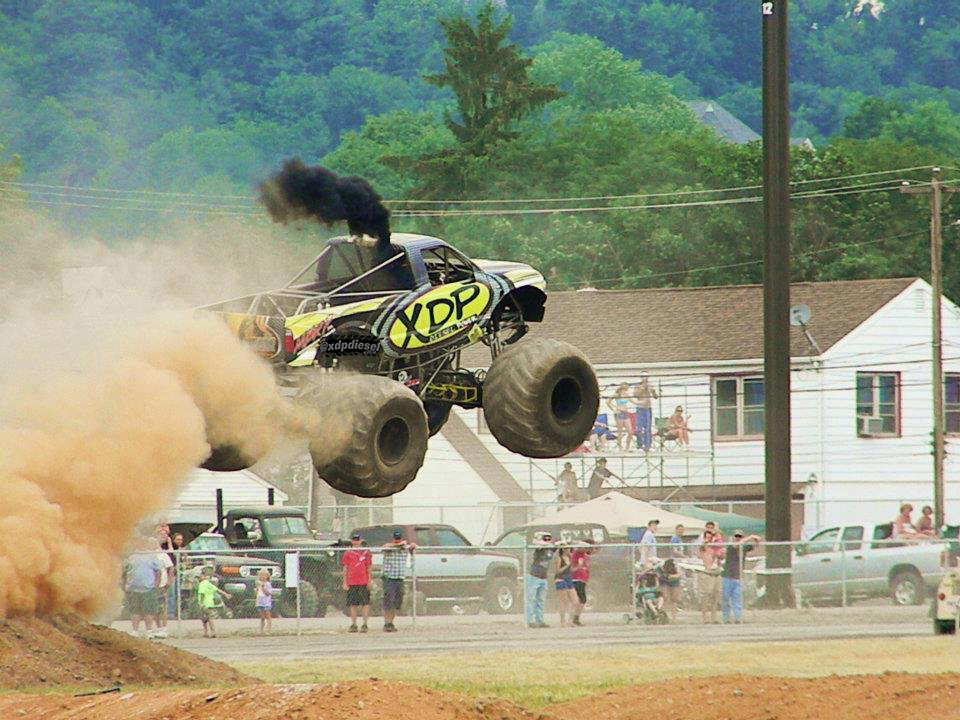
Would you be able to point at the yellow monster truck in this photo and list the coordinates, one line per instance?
(399, 313)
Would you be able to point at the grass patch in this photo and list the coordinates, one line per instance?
(538, 679)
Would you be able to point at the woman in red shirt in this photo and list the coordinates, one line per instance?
(580, 560)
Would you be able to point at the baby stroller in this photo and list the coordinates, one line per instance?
(649, 598)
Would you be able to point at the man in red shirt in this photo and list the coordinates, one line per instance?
(580, 559)
(356, 581)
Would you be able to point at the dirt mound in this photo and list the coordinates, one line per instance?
(877, 697)
(859, 697)
(69, 651)
(355, 700)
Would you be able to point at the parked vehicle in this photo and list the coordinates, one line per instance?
(946, 604)
(861, 559)
(610, 567)
(279, 531)
(237, 575)
(450, 570)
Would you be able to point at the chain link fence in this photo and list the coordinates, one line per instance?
(610, 583)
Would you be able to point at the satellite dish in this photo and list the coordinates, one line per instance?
(799, 315)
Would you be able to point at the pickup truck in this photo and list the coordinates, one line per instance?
(451, 571)
(272, 532)
(863, 558)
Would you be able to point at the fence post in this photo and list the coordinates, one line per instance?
(633, 581)
(843, 572)
(523, 585)
(176, 591)
(299, 580)
(413, 573)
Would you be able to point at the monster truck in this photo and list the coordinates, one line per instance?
(397, 316)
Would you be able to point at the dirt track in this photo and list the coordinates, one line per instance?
(877, 697)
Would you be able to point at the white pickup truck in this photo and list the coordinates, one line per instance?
(865, 560)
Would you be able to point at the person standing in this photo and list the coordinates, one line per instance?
(394, 576)
(264, 601)
(141, 580)
(677, 549)
(207, 592)
(709, 580)
(648, 544)
(643, 394)
(732, 573)
(580, 559)
(619, 405)
(356, 581)
(563, 580)
(537, 581)
(567, 484)
(163, 590)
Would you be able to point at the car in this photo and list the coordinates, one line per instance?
(450, 570)
(946, 603)
(397, 315)
(237, 575)
(270, 533)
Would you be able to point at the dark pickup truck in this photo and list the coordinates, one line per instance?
(451, 571)
(273, 532)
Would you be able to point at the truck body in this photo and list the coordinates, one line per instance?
(450, 570)
(862, 561)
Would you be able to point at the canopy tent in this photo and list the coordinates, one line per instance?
(727, 522)
(618, 512)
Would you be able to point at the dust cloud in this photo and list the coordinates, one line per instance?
(111, 390)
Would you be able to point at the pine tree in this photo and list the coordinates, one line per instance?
(489, 79)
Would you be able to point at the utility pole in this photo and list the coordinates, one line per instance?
(776, 298)
(936, 191)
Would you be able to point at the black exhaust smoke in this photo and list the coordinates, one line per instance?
(300, 191)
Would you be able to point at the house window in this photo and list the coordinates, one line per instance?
(738, 408)
(951, 397)
(878, 404)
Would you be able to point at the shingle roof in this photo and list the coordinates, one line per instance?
(696, 324)
(728, 126)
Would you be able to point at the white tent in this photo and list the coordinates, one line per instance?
(617, 512)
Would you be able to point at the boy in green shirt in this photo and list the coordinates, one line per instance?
(207, 599)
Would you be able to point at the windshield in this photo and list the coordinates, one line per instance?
(286, 526)
(209, 543)
(342, 262)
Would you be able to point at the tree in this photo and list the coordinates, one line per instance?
(489, 79)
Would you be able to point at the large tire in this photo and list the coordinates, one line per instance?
(387, 443)
(309, 601)
(501, 596)
(540, 398)
(906, 588)
(227, 458)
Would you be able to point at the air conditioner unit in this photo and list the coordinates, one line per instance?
(869, 425)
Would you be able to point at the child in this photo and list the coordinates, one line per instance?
(207, 599)
(264, 600)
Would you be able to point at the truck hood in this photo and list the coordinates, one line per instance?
(303, 544)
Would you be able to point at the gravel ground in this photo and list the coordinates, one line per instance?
(239, 641)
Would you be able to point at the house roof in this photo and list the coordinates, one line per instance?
(699, 323)
(728, 126)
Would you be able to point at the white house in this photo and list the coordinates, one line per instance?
(197, 499)
(861, 402)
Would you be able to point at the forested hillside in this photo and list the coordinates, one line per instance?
(204, 97)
